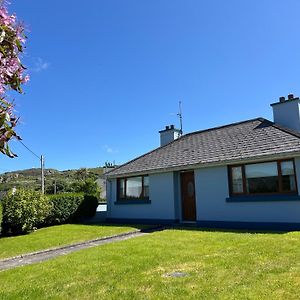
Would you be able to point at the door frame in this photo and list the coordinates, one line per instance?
(181, 197)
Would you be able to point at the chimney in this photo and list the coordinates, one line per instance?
(286, 112)
(168, 135)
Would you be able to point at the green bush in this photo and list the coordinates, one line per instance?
(64, 207)
(88, 186)
(1, 216)
(88, 207)
(23, 210)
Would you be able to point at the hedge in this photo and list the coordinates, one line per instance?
(88, 207)
(64, 207)
(1, 217)
(23, 210)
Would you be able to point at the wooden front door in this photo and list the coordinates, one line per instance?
(188, 196)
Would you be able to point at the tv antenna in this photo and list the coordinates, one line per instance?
(180, 117)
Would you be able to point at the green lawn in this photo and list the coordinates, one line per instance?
(56, 236)
(220, 265)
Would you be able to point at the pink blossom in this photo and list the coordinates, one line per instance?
(26, 78)
(11, 72)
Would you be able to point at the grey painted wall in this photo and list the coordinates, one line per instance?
(287, 114)
(168, 136)
(211, 186)
(161, 194)
(177, 196)
(211, 192)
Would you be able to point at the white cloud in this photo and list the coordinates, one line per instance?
(109, 149)
(40, 65)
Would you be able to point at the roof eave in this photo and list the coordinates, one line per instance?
(259, 158)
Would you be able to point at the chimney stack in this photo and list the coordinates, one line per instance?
(281, 99)
(286, 112)
(168, 135)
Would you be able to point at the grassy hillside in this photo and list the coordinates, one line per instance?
(30, 178)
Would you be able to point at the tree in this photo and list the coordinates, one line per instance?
(12, 76)
(90, 187)
(82, 174)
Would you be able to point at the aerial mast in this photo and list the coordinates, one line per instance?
(180, 118)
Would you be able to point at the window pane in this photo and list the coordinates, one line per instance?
(237, 179)
(262, 178)
(146, 186)
(122, 188)
(134, 187)
(288, 176)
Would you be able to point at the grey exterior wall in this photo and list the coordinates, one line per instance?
(287, 114)
(168, 136)
(162, 193)
(212, 190)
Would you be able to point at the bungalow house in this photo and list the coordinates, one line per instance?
(242, 175)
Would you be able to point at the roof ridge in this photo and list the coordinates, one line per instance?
(132, 160)
(225, 126)
(188, 134)
(143, 165)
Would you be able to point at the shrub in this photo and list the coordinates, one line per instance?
(64, 207)
(90, 187)
(23, 210)
(0, 217)
(88, 207)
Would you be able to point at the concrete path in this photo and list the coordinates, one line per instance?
(35, 257)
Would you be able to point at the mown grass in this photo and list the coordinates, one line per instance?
(220, 265)
(56, 236)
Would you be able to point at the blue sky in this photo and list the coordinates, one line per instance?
(106, 76)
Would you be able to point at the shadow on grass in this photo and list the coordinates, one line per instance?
(159, 227)
(141, 227)
(228, 230)
(243, 227)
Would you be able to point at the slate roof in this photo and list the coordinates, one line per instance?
(244, 140)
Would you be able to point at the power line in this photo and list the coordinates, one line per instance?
(42, 161)
(29, 150)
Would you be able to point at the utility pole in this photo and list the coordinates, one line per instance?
(42, 161)
(42, 174)
(55, 189)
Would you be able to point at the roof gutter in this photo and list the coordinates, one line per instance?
(260, 158)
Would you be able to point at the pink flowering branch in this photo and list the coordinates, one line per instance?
(12, 75)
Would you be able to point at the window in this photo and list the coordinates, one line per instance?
(122, 188)
(133, 188)
(288, 176)
(237, 179)
(263, 178)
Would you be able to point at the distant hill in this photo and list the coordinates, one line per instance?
(30, 178)
(29, 172)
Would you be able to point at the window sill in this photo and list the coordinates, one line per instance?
(263, 198)
(129, 201)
